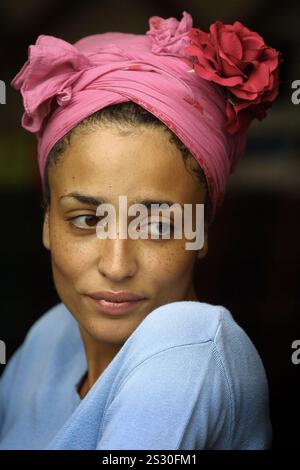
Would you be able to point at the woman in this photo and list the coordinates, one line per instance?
(131, 359)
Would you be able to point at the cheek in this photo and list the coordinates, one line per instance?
(169, 264)
(70, 256)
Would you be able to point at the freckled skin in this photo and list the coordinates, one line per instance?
(106, 164)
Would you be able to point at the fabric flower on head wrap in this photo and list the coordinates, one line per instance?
(231, 56)
(170, 36)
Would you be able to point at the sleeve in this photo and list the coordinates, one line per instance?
(176, 399)
(245, 373)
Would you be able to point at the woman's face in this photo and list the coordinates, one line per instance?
(104, 164)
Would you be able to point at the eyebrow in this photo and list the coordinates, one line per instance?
(93, 201)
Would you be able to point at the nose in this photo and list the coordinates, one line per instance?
(117, 259)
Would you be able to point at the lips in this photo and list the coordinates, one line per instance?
(111, 296)
(115, 303)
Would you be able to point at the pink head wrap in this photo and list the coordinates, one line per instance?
(61, 84)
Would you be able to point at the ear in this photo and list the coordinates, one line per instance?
(203, 252)
(46, 230)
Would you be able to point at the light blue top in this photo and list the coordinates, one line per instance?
(188, 377)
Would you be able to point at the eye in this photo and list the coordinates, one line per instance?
(84, 222)
(158, 228)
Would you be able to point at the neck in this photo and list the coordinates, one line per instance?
(191, 295)
(99, 356)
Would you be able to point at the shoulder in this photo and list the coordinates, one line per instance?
(210, 327)
(190, 364)
(179, 324)
(204, 336)
(56, 318)
(198, 353)
(198, 320)
(42, 340)
(49, 330)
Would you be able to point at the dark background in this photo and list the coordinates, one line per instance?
(252, 266)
